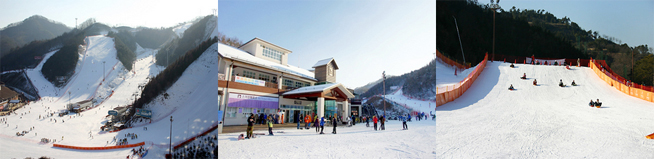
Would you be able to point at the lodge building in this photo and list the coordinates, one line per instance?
(256, 78)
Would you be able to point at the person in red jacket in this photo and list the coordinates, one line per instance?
(374, 120)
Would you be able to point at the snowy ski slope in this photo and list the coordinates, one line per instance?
(544, 121)
(193, 98)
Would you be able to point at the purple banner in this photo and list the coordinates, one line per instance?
(252, 101)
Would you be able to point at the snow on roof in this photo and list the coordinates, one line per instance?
(242, 56)
(310, 89)
(320, 88)
(324, 62)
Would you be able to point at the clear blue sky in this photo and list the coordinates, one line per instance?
(631, 21)
(149, 13)
(365, 37)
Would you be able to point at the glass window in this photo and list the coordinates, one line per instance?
(288, 83)
(274, 79)
(264, 77)
(298, 84)
(249, 74)
(231, 112)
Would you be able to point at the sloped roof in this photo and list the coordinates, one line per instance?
(257, 39)
(242, 56)
(6, 93)
(320, 88)
(325, 62)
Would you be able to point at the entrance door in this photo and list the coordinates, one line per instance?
(296, 113)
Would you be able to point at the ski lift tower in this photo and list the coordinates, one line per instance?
(494, 6)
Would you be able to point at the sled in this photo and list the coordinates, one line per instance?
(650, 136)
(240, 137)
(524, 78)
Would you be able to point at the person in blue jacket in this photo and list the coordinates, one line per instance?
(404, 126)
(409, 117)
(322, 124)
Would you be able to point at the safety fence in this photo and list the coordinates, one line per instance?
(98, 148)
(214, 127)
(524, 60)
(450, 93)
(604, 72)
(451, 62)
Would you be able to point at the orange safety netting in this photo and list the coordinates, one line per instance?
(450, 93)
(451, 62)
(604, 72)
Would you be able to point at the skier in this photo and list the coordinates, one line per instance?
(367, 121)
(270, 126)
(322, 125)
(334, 123)
(524, 76)
(535, 83)
(511, 87)
(250, 124)
(404, 126)
(573, 83)
(374, 120)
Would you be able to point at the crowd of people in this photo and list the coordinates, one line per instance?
(201, 147)
(138, 152)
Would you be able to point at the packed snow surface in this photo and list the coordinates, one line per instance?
(357, 141)
(192, 102)
(445, 74)
(544, 121)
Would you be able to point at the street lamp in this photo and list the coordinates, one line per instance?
(170, 140)
(494, 7)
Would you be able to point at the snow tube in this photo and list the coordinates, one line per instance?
(650, 136)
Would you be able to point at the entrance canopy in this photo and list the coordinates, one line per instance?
(333, 91)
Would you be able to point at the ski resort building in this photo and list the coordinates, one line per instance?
(256, 78)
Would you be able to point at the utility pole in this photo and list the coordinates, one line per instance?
(384, 91)
(170, 140)
(461, 44)
(103, 75)
(75, 23)
(494, 7)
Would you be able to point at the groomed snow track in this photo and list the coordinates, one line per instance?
(544, 121)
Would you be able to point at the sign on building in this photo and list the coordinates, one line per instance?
(143, 113)
(249, 81)
(113, 112)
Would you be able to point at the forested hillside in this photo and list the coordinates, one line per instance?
(33, 28)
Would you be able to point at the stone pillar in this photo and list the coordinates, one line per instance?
(280, 81)
(321, 107)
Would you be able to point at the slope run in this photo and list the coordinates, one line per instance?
(193, 101)
(544, 121)
(89, 73)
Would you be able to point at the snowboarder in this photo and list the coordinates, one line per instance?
(573, 83)
(374, 120)
(404, 126)
(334, 123)
(322, 125)
(270, 126)
(524, 76)
(250, 124)
(511, 87)
(535, 83)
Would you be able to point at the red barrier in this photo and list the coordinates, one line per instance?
(193, 138)
(98, 148)
(450, 61)
(450, 93)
